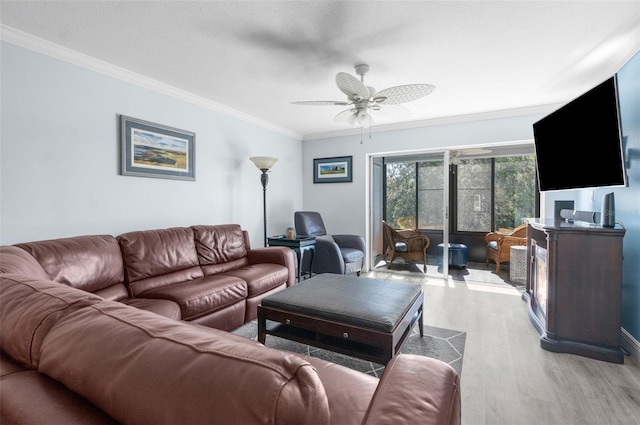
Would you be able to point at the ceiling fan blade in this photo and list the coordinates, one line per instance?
(393, 112)
(351, 86)
(343, 116)
(321, 102)
(403, 94)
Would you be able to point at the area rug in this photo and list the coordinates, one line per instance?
(442, 344)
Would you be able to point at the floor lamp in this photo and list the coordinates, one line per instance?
(264, 163)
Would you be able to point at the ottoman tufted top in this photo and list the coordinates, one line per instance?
(368, 303)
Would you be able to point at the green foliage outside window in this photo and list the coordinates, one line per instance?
(513, 193)
(401, 192)
(514, 190)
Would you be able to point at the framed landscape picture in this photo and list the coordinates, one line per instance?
(332, 170)
(154, 150)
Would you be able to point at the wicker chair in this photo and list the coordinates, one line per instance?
(499, 244)
(407, 244)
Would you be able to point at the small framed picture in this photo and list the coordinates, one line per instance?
(154, 150)
(332, 170)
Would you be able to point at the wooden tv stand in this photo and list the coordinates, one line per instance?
(574, 287)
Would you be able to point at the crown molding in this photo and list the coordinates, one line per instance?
(456, 119)
(31, 42)
(45, 47)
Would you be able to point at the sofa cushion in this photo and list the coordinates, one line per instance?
(202, 296)
(166, 308)
(351, 255)
(261, 278)
(208, 376)
(219, 244)
(155, 258)
(30, 397)
(18, 261)
(29, 308)
(90, 263)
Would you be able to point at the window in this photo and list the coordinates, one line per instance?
(486, 193)
(472, 181)
(430, 195)
(400, 196)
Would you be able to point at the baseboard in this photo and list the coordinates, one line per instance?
(630, 344)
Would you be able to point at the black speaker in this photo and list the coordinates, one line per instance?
(608, 212)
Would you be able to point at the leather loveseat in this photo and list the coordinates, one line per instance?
(72, 357)
(202, 274)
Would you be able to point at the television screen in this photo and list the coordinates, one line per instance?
(580, 145)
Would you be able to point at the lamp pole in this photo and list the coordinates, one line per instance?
(264, 163)
(264, 179)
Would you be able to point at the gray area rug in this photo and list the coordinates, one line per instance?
(442, 344)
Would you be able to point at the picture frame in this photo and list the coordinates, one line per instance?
(155, 150)
(333, 170)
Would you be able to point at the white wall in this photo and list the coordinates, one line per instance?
(343, 205)
(59, 158)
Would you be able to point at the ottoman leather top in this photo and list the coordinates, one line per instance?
(358, 301)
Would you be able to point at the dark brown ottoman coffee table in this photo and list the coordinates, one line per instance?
(360, 317)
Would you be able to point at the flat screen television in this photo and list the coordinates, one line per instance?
(580, 145)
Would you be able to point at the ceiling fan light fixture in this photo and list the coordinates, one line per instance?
(363, 118)
(365, 99)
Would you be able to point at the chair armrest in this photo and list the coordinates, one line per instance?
(350, 241)
(416, 389)
(417, 242)
(509, 241)
(407, 233)
(327, 257)
(493, 236)
(276, 255)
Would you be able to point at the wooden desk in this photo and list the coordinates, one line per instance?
(574, 288)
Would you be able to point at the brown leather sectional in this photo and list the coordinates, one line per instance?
(202, 274)
(95, 350)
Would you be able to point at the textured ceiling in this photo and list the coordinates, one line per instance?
(259, 56)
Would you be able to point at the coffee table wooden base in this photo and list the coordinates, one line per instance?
(355, 341)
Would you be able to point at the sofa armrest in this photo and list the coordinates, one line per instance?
(276, 255)
(416, 389)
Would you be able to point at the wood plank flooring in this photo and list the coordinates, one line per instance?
(506, 377)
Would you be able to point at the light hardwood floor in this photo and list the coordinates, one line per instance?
(506, 377)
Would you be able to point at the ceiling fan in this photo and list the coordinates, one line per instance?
(362, 99)
(455, 154)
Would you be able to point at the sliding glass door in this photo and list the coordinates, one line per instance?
(457, 198)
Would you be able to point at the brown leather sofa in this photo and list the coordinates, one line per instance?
(203, 274)
(72, 357)
(89, 335)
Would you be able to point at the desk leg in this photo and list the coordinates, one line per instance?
(299, 257)
(313, 254)
(303, 253)
(262, 327)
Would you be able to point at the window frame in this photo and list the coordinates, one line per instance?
(453, 197)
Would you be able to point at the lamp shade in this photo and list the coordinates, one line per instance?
(263, 162)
